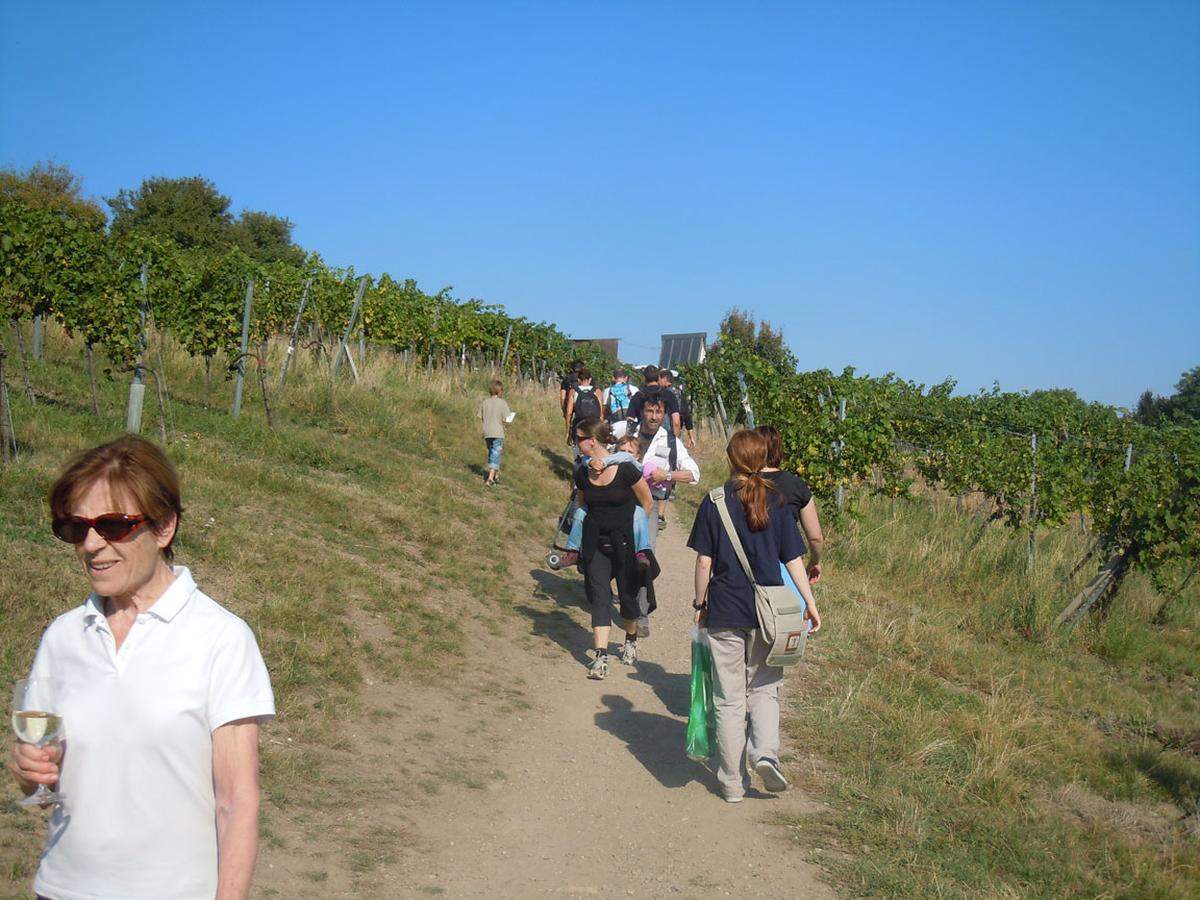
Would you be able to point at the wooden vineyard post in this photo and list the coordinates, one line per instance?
(291, 347)
(7, 441)
(38, 338)
(1029, 559)
(507, 339)
(1110, 573)
(243, 348)
(720, 405)
(432, 338)
(741, 379)
(91, 370)
(262, 386)
(344, 346)
(137, 390)
(840, 448)
(24, 361)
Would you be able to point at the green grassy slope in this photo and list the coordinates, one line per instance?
(342, 537)
(964, 747)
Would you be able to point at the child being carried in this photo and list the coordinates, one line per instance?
(627, 449)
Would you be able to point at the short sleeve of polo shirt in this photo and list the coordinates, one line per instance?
(804, 493)
(239, 686)
(704, 537)
(791, 545)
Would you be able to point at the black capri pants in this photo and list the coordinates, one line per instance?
(598, 574)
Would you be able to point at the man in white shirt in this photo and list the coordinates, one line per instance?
(658, 442)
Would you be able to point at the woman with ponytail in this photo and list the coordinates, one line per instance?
(745, 684)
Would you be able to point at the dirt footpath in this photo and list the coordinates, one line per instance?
(598, 797)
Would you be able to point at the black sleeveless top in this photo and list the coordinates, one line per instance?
(609, 509)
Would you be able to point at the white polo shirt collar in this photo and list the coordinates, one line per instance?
(165, 608)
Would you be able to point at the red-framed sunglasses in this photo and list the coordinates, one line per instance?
(113, 527)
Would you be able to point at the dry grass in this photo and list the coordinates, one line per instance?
(973, 750)
(342, 537)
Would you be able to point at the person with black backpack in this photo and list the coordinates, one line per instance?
(666, 381)
(582, 403)
(568, 383)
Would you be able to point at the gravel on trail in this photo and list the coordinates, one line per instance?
(597, 797)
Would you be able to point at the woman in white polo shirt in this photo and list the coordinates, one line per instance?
(161, 692)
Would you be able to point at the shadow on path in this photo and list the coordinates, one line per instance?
(673, 689)
(560, 628)
(562, 590)
(560, 465)
(654, 740)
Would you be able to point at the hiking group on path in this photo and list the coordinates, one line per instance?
(631, 450)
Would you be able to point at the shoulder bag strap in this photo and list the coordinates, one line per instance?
(717, 495)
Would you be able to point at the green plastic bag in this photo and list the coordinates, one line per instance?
(702, 717)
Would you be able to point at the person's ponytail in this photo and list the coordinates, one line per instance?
(747, 453)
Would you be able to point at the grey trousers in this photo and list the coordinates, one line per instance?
(744, 684)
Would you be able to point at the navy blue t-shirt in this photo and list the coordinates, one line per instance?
(730, 596)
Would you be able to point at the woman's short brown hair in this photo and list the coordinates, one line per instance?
(774, 445)
(590, 428)
(496, 387)
(134, 469)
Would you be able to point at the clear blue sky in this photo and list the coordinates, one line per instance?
(991, 191)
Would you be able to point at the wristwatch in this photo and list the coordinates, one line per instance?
(700, 605)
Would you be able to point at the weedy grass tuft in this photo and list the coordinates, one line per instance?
(348, 536)
(962, 744)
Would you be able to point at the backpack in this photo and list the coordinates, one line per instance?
(685, 408)
(673, 462)
(618, 398)
(587, 404)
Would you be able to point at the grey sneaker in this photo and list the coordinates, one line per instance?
(629, 653)
(773, 780)
(599, 667)
(643, 627)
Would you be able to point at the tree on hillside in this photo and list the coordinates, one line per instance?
(51, 186)
(266, 237)
(766, 340)
(190, 211)
(1152, 409)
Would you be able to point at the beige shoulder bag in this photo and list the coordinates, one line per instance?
(780, 612)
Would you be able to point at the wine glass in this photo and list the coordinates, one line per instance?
(36, 720)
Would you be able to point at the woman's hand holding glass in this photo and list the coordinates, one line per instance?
(38, 725)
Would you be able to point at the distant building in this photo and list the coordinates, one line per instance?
(681, 349)
(608, 345)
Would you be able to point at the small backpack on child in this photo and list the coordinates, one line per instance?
(618, 399)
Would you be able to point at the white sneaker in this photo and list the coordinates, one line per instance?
(598, 668)
(629, 653)
(768, 770)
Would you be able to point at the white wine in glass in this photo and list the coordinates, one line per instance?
(36, 721)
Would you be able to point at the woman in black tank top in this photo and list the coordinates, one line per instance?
(608, 549)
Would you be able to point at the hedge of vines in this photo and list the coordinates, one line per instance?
(58, 266)
(1040, 459)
